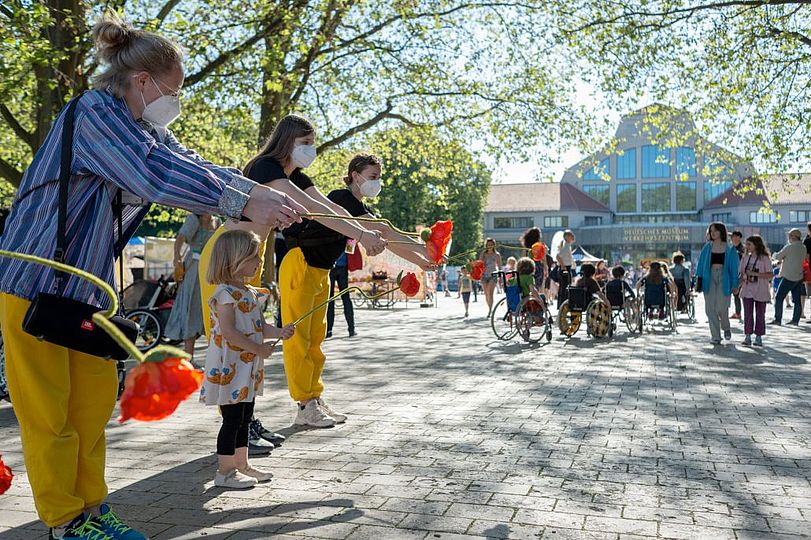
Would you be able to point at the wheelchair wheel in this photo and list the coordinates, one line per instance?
(150, 330)
(532, 320)
(503, 321)
(598, 319)
(691, 306)
(630, 312)
(672, 311)
(640, 306)
(568, 320)
(3, 381)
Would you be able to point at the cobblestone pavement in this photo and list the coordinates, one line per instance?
(454, 435)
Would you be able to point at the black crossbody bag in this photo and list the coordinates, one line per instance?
(64, 321)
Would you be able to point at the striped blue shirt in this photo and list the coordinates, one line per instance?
(111, 152)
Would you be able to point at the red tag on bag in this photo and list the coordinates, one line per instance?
(88, 325)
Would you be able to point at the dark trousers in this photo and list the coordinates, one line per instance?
(233, 434)
(737, 299)
(340, 276)
(681, 303)
(564, 280)
(796, 289)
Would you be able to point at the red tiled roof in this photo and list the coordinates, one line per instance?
(540, 197)
(774, 189)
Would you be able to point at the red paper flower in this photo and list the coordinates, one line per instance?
(5, 476)
(476, 270)
(410, 285)
(538, 250)
(155, 388)
(438, 242)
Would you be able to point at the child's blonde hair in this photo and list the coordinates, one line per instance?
(230, 250)
(525, 266)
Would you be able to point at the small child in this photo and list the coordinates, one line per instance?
(617, 289)
(657, 280)
(754, 273)
(586, 280)
(236, 353)
(465, 286)
(525, 267)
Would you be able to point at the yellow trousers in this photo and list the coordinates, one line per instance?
(303, 287)
(63, 400)
(207, 289)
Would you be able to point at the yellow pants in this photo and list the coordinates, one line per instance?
(63, 400)
(303, 287)
(207, 289)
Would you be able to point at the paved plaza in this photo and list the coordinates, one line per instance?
(452, 434)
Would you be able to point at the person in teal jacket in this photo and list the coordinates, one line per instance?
(717, 268)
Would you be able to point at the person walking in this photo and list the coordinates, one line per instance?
(492, 263)
(121, 145)
(717, 269)
(791, 259)
(755, 273)
(339, 275)
(186, 318)
(736, 239)
(565, 261)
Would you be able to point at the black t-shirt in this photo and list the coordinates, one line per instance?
(321, 245)
(590, 284)
(807, 244)
(267, 169)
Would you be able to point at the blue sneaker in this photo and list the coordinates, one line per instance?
(113, 527)
(81, 528)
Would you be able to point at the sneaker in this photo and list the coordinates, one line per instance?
(715, 341)
(352, 333)
(793, 323)
(259, 474)
(259, 447)
(271, 436)
(313, 415)
(329, 335)
(255, 436)
(338, 417)
(234, 480)
(747, 340)
(775, 322)
(81, 528)
(114, 527)
(758, 341)
(727, 335)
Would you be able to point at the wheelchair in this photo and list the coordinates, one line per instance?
(598, 316)
(689, 296)
(514, 315)
(624, 310)
(656, 297)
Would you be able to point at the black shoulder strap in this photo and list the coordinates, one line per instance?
(64, 180)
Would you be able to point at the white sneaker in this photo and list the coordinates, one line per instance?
(338, 417)
(234, 480)
(313, 415)
(259, 474)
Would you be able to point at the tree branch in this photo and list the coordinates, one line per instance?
(19, 130)
(351, 132)
(10, 173)
(164, 12)
(805, 40)
(5, 10)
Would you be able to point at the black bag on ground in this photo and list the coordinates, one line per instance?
(64, 321)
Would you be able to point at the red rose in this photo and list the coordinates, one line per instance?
(476, 270)
(5, 477)
(154, 389)
(410, 285)
(437, 243)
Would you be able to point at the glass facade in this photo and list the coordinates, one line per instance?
(656, 197)
(799, 216)
(626, 198)
(762, 217)
(598, 192)
(658, 218)
(685, 163)
(512, 222)
(593, 220)
(655, 162)
(597, 173)
(714, 189)
(555, 221)
(685, 196)
(723, 217)
(626, 164)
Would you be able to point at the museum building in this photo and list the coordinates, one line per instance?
(640, 197)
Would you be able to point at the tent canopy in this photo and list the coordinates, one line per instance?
(580, 255)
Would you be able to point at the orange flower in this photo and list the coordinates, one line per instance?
(476, 270)
(5, 476)
(437, 242)
(155, 387)
(409, 284)
(538, 251)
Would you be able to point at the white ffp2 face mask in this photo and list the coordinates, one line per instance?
(161, 112)
(303, 155)
(370, 188)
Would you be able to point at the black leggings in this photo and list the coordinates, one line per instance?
(236, 419)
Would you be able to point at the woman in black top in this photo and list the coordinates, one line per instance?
(304, 284)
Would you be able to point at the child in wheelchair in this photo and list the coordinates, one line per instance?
(617, 289)
(587, 281)
(657, 286)
(525, 268)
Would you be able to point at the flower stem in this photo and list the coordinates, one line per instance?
(366, 219)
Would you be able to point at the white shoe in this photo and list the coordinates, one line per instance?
(234, 480)
(338, 417)
(313, 415)
(259, 474)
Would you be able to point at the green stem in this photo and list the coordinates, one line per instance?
(366, 219)
(102, 317)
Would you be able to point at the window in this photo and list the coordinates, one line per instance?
(598, 192)
(724, 217)
(626, 198)
(656, 197)
(555, 221)
(593, 220)
(657, 218)
(597, 173)
(626, 164)
(799, 216)
(685, 162)
(512, 223)
(685, 196)
(717, 170)
(762, 217)
(712, 190)
(655, 162)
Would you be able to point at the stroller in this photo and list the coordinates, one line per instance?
(148, 303)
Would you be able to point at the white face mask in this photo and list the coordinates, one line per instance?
(161, 112)
(303, 155)
(370, 188)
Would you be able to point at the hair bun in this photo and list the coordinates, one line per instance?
(110, 34)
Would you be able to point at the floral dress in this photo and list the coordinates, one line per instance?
(234, 375)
